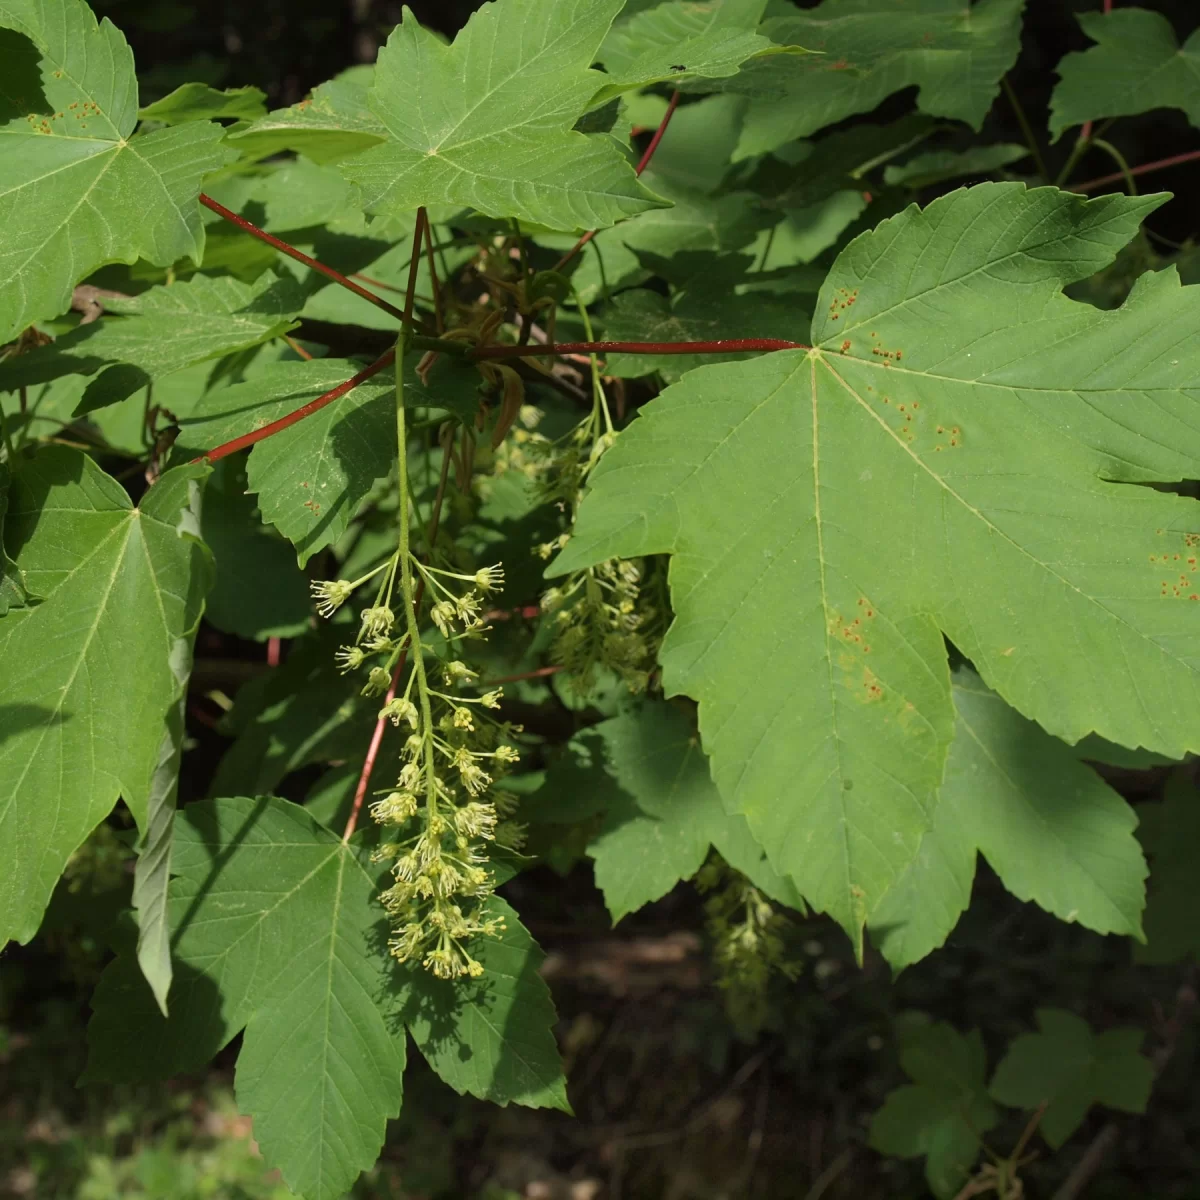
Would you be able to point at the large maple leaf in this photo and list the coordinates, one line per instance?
(952, 457)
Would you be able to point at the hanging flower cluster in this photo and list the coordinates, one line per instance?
(443, 810)
(599, 619)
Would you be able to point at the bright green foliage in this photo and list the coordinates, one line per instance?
(662, 812)
(953, 53)
(276, 929)
(1070, 1068)
(1136, 65)
(163, 330)
(709, 41)
(943, 1113)
(465, 129)
(907, 472)
(121, 585)
(1049, 827)
(1170, 832)
(199, 102)
(76, 191)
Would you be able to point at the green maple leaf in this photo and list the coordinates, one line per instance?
(1069, 1068)
(164, 330)
(942, 1114)
(76, 190)
(310, 477)
(199, 102)
(333, 123)
(951, 458)
(277, 932)
(1052, 830)
(953, 53)
(486, 122)
(122, 585)
(1136, 65)
(681, 41)
(1170, 831)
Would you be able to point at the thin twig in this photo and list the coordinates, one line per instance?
(1120, 176)
(642, 165)
(1026, 130)
(299, 349)
(300, 256)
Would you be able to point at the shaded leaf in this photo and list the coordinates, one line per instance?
(71, 176)
(942, 1113)
(13, 592)
(1170, 832)
(259, 591)
(199, 102)
(1137, 65)
(940, 165)
(490, 1037)
(954, 54)
(1069, 1068)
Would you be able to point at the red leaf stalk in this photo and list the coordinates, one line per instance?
(299, 256)
(642, 165)
(257, 435)
(721, 346)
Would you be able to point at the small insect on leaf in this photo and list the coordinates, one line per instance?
(678, 67)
